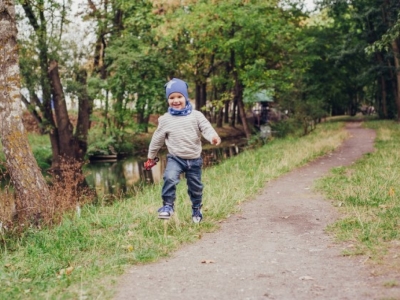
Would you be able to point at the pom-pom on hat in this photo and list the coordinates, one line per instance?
(177, 86)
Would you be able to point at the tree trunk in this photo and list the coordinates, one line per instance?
(84, 113)
(233, 114)
(220, 118)
(384, 111)
(198, 95)
(242, 112)
(226, 112)
(201, 95)
(395, 48)
(64, 126)
(29, 184)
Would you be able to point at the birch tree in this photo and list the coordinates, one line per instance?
(28, 182)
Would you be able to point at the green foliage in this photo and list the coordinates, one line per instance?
(365, 26)
(112, 140)
(43, 156)
(2, 156)
(99, 143)
(286, 127)
(229, 41)
(41, 149)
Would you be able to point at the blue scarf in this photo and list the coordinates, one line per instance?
(181, 112)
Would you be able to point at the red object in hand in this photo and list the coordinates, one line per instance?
(150, 163)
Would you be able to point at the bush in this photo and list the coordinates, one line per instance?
(285, 127)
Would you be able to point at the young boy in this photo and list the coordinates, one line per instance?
(181, 130)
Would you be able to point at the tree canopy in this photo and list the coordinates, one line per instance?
(331, 61)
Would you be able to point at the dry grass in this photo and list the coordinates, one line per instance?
(67, 193)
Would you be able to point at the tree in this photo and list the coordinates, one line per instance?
(128, 70)
(50, 110)
(391, 40)
(29, 184)
(370, 26)
(137, 66)
(227, 46)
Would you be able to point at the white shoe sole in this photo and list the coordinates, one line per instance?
(196, 219)
(165, 215)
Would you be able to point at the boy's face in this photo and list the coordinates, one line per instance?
(177, 101)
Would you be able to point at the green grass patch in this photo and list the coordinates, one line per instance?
(368, 194)
(82, 256)
(41, 148)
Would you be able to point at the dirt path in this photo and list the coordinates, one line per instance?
(276, 248)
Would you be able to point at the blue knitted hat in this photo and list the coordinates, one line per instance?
(177, 86)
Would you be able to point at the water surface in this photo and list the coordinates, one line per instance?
(128, 175)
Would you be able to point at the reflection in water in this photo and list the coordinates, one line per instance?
(128, 175)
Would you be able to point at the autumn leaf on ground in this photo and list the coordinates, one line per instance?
(128, 248)
(66, 271)
(306, 278)
(207, 261)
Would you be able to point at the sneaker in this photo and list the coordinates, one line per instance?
(197, 216)
(165, 212)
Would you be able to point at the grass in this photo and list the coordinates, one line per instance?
(84, 254)
(369, 195)
(41, 149)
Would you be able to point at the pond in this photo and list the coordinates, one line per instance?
(126, 176)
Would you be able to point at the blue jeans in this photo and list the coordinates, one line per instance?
(192, 169)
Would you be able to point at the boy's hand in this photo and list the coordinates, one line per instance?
(150, 163)
(216, 140)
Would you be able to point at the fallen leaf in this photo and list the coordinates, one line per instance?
(66, 271)
(69, 270)
(207, 261)
(129, 248)
(306, 278)
(391, 192)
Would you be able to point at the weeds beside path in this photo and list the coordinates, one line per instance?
(275, 248)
